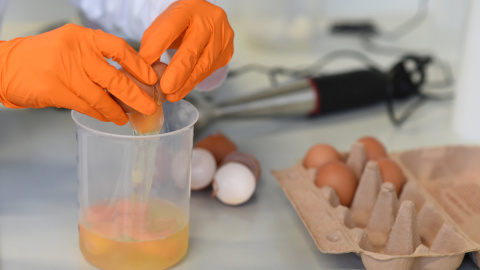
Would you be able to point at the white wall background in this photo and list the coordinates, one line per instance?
(21, 10)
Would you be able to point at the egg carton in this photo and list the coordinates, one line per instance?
(431, 225)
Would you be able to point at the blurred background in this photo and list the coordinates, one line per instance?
(302, 34)
(276, 42)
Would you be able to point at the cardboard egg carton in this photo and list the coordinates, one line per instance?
(431, 225)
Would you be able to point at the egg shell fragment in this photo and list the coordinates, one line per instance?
(218, 144)
(204, 166)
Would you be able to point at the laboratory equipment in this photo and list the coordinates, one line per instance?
(313, 95)
(131, 218)
(304, 97)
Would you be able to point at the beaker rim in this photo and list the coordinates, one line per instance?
(76, 114)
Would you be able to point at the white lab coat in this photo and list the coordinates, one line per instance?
(125, 18)
(129, 19)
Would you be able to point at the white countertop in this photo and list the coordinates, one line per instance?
(38, 196)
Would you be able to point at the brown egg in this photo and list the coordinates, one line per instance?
(373, 147)
(340, 177)
(391, 172)
(319, 154)
(159, 68)
(146, 124)
(218, 144)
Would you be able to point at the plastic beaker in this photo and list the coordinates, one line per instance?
(134, 191)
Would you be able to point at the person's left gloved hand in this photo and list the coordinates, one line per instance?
(204, 39)
(66, 68)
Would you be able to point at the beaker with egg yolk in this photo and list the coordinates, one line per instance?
(134, 191)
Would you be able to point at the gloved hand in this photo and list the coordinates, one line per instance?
(204, 39)
(66, 68)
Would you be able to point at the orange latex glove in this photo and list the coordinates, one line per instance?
(204, 39)
(66, 68)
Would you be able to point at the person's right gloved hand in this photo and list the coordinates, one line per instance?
(66, 68)
(203, 37)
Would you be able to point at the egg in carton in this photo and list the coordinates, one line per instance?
(431, 225)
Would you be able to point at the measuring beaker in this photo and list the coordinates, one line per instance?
(134, 191)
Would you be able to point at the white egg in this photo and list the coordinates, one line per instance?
(203, 168)
(234, 183)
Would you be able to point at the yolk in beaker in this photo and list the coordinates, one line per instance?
(133, 238)
(147, 124)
